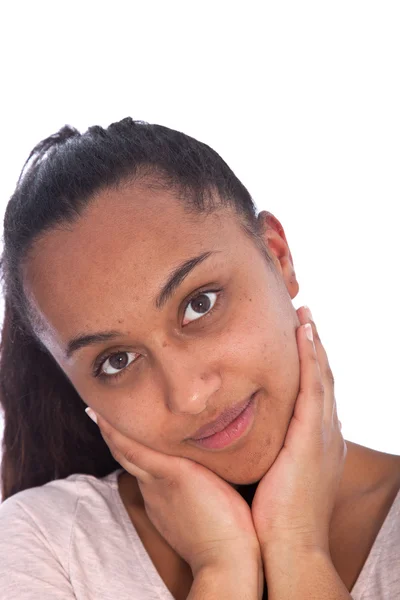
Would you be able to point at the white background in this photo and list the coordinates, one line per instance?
(300, 98)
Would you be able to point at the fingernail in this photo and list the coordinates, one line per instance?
(309, 333)
(90, 413)
(309, 313)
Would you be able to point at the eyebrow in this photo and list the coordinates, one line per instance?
(174, 280)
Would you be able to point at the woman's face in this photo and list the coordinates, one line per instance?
(180, 362)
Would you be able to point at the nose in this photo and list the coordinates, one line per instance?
(190, 380)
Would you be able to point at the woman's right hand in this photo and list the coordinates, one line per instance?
(200, 515)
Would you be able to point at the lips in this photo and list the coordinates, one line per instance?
(223, 420)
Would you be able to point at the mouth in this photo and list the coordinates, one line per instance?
(228, 428)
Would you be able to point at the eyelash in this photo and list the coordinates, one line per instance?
(102, 359)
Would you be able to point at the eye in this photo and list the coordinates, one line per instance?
(117, 364)
(200, 305)
(112, 366)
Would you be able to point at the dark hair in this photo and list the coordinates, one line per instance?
(47, 435)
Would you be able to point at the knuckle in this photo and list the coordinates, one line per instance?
(129, 455)
(318, 388)
(170, 483)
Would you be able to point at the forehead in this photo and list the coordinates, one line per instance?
(120, 250)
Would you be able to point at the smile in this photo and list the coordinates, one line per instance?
(232, 432)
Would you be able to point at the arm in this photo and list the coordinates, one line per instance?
(294, 574)
(236, 578)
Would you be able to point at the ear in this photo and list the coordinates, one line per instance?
(274, 238)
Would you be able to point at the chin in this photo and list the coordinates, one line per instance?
(244, 479)
(253, 461)
(251, 472)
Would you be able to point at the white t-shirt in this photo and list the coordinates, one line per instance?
(73, 539)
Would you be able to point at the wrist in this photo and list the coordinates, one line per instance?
(234, 576)
(299, 571)
(228, 557)
(298, 544)
(293, 554)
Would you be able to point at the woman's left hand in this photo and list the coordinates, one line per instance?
(294, 500)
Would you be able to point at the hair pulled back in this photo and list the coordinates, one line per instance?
(47, 435)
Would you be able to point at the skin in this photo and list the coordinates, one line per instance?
(104, 272)
(188, 375)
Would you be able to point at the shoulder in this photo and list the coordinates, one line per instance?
(51, 493)
(37, 529)
(49, 512)
(39, 508)
(53, 497)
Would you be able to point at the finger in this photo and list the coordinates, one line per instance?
(122, 458)
(139, 460)
(328, 380)
(330, 410)
(310, 402)
(305, 316)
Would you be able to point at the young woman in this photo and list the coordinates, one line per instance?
(140, 282)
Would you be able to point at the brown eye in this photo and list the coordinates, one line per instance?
(117, 362)
(200, 305)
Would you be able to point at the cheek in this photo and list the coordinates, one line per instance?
(281, 365)
(137, 420)
(261, 341)
(143, 423)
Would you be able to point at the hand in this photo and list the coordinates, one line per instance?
(200, 515)
(294, 500)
